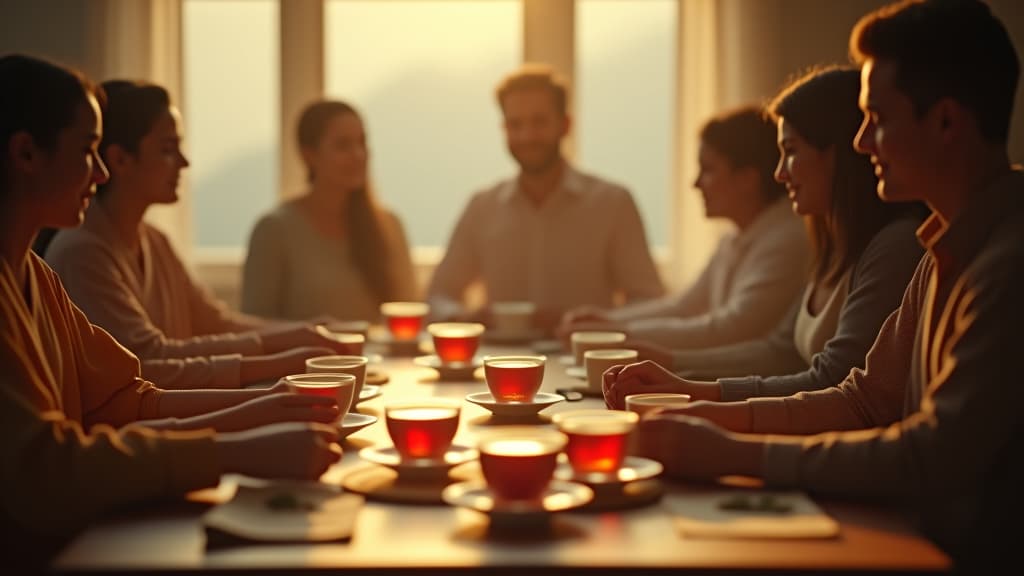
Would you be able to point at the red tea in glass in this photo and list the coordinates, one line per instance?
(455, 341)
(422, 429)
(598, 439)
(518, 462)
(404, 319)
(514, 378)
(339, 386)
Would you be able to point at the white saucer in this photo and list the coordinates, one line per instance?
(567, 359)
(369, 391)
(373, 358)
(388, 456)
(450, 370)
(540, 401)
(354, 422)
(476, 495)
(577, 372)
(633, 468)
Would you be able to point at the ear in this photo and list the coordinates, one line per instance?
(947, 119)
(566, 125)
(23, 153)
(116, 158)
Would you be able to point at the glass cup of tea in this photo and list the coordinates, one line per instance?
(404, 319)
(518, 462)
(514, 378)
(341, 364)
(455, 341)
(422, 429)
(593, 340)
(598, 361)
(339, 386)
(598, 439)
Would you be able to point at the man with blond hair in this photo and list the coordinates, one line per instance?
(552, 235)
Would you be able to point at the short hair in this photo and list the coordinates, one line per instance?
(945, 49)
(535, 77)
(746, 137)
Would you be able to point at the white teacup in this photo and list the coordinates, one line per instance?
(594, 340)
(644, 403)
(597, 361)
(337, 364)
(513, 317)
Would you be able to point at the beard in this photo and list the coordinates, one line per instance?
(534, 159)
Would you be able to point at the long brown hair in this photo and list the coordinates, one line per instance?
(822, 106)
(371, 251)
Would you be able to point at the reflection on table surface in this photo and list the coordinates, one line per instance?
(392, 535)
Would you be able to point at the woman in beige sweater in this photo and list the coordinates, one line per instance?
(333, 250)
(125, 275)
(67, 388)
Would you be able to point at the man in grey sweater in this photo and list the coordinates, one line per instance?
(931, 420)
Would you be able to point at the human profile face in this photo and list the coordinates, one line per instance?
(155, 169)
(534, 129)
(71, 171)
(340, 159)
(723, 188)
(902, 145)
(806, 171)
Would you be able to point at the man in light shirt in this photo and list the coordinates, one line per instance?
(553, 235)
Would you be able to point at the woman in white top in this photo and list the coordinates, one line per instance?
(333, 250)
(865, 253)
(756, 271)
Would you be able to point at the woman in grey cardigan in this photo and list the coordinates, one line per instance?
(865, 253)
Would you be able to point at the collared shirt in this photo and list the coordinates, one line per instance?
(940, 395)
(581, 246)
(745, 290)
(184, 336)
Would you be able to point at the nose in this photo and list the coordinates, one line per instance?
(781, 174)
(864, 141)
(183, 160)
(100, 174)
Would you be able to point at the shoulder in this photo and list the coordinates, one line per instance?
(74, 244)
(599, 187)
(278, 219)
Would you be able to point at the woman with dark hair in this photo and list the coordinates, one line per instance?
(334, 250)
(67, 385)
(756, 272)
(127, 278)
(865, 252)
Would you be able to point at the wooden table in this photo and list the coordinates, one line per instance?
(169, 538)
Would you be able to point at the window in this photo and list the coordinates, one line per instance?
(422, 73)
(625, 98)
(231, 108)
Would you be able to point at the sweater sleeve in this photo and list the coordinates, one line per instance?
(55, 477)
(93, 280)
(767, 280)
(866, 398)
(693, 301)
(773, 354)
(877, 284)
